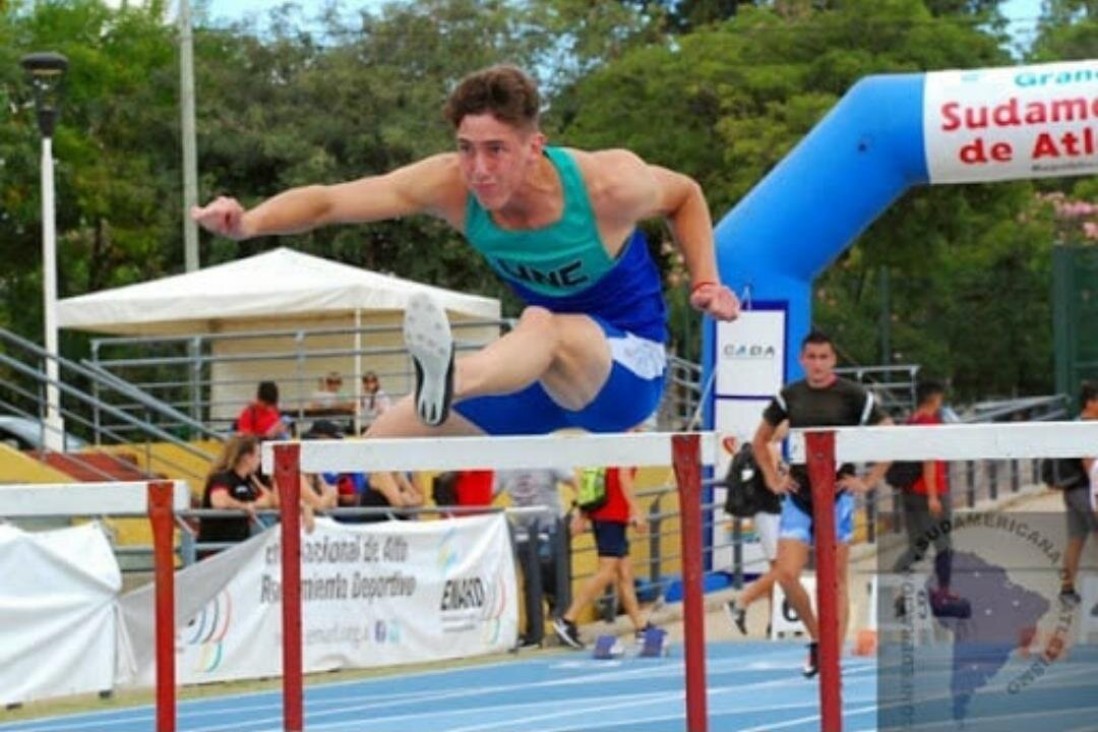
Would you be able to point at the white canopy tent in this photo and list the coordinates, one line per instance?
(280, 290)
(278, 283)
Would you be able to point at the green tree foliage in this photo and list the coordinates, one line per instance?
(721, 90)
(728, 101)
(114, 149)
(1068, 31)
(291, 108)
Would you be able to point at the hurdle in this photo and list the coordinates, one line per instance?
(157, 500)
(687, 452)
(823, 450)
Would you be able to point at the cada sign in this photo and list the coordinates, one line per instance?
(751, 352)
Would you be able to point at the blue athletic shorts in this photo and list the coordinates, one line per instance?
(796, 524)
(610, 539)
(630, 395)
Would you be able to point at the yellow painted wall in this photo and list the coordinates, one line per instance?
(172, 462)
(17, 467)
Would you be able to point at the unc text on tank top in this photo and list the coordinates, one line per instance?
(564, 266)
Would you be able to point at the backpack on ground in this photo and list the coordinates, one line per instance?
(1063, 473)
(745, 487)
(591, 491)
(903, 474)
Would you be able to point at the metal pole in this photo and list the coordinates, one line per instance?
(820, 451)
(163, 525)
(190, 156)
(686, 453)
(356, 419)
(287, 472)
(55, 427)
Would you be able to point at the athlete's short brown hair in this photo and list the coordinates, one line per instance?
(506, 92)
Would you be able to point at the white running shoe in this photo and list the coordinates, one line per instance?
(429, 342)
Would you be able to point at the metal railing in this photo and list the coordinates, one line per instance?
(894, 384)
(81, 388)
(683, 392)
(1027, 409)
(192, 373)
(972, 484)
(210, 377)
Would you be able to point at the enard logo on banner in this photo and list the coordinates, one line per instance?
(472, 601)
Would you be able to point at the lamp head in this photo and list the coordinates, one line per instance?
(45, 71)
(46, 63)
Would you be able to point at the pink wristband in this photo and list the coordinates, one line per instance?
(700, 285)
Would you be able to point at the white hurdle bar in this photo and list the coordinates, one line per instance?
(1007, 441)
(85, 499)
(1015, 440)
(637, 449)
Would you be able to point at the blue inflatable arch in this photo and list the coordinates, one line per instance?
(888, 133)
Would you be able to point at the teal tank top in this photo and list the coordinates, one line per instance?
(563, 258)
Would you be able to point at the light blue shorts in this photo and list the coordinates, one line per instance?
(630, 395)
(797, 525)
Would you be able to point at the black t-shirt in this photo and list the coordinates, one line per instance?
(234, 528)
(843, 403)
(372, 498)
(769, 501)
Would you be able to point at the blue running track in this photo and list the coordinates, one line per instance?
(753, 687)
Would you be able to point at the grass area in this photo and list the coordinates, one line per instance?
(126, 698)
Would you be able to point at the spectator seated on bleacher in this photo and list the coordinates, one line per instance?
(234, 483)
(374, 400)
(262, 418)
(359, 490)
(328, 398)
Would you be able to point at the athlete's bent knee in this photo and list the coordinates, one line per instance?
(787, 575)
(535, 316)
(539, 320)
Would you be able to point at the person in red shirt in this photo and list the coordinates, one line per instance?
(474, 488)
(609, 523)
(261, 418)
(927, 513)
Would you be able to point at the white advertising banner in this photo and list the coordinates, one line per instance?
(751, 354)
(57, 615)
(372, 595)
(750, 370)
(1013, 122)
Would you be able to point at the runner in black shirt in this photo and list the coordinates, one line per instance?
(821, 399)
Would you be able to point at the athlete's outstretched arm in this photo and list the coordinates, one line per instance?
(429, 186)
(640, 191)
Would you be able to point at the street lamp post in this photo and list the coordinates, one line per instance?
(45, 72)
